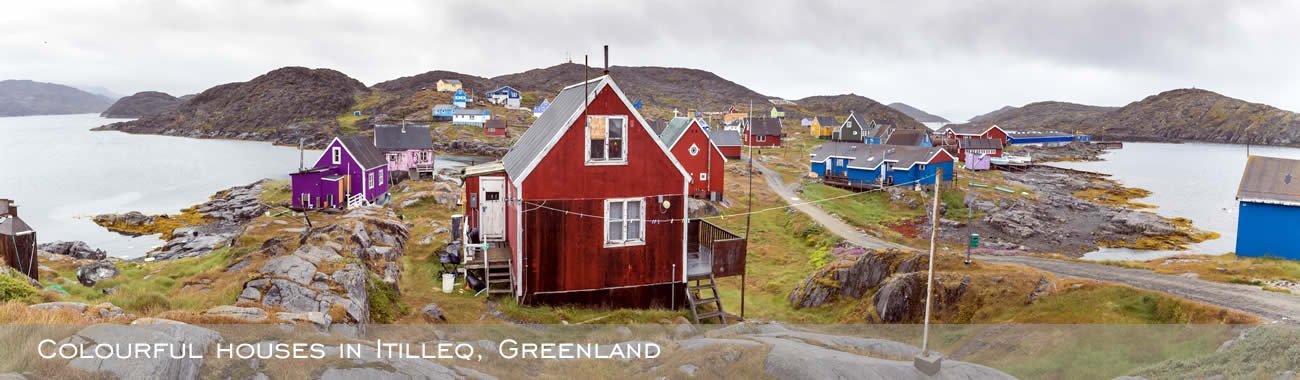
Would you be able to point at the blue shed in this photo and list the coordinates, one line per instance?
(1268, 217)
(863, 165)
(1044, 138)
(460, 99)
(443, 112)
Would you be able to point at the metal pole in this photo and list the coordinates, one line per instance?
(929, 284)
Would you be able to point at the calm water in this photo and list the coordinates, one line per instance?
(1197, 181)
(61, 174)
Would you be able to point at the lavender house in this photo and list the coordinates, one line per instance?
(405, 147)
(352, 172)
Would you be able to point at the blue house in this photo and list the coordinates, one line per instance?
(862, 165)
(541, 107)
(505, 95)
(460, 99)
(1268, 217)
(443, 112)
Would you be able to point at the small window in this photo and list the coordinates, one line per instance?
(762, 138)
(336, 155)
(370, 180)
(606, 136)
(305, 200)
(694, 150)
(492, 196)
(704, 176)
(624, 222)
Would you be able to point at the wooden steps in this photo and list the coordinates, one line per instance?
(697, 295)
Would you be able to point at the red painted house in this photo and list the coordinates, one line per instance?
(955, 138)
(496, 127)
(692, 147)
(728, 142)
(763, 132)
(590, 206)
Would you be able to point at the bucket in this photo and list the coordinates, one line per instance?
(448, 282)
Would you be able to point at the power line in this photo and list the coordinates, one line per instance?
(658, 221)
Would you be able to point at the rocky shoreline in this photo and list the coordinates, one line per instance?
(213, 225)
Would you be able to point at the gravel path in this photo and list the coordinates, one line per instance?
(1272, 306)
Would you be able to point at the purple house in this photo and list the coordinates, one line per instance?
(352, 172)
(405, 147)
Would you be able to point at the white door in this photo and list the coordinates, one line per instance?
(492, 208)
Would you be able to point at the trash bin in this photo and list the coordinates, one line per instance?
(448, 282)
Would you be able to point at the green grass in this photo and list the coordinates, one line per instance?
(861, 210)
(1262, 354)
(1114, 305)
(277, 193)
(154, 286)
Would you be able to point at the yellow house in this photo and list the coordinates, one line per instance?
(823, 126)
(732, 115)
(448, 85)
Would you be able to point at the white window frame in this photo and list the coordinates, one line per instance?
(336, 155)
(704, 176)
(586, 142)
(762, 138)
(694, 150)
(305, 200)
(370, 180)
(641, 220)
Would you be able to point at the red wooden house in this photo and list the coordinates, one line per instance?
(496, 127)
(763, 132)
(589, 207)
(692, 147)
(958, 138)
(728, 142)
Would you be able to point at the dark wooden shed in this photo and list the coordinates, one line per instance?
(17, 240)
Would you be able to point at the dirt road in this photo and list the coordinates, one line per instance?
(1271, 306)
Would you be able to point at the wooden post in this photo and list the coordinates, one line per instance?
(929, 283)
(749, 212)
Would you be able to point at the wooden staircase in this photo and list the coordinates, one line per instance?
(497, 274)
(696, 289)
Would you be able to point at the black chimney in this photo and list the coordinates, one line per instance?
(606, 59)
(7, 207)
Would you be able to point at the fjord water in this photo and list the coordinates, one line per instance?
(61, 174)
(1197, 181)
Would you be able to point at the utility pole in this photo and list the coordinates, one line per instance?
(749, 203)
(927, 362)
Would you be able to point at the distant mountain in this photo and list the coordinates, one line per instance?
(146, 103)
(1043, 116)
(917, 114)
(282, 106)
(25, 97)
(1174, 115)
(101, 91)
(840, 105)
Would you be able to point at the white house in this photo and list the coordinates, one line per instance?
(472, 117)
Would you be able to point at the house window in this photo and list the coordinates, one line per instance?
(370, 180)
(492, 196)
(606, 135)
(694, 150)
(624, 224)
(305, 200)
(704, 176)
(762, 138)
(336, 155)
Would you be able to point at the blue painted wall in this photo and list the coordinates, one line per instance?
(1040, 140)
(898, 176)
(1265, 230)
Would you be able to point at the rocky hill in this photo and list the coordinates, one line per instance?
(146, 103)
(1174, 115)
(840, 105)
(1049, 115)
(25, 97)
(661, 89)
(281, 106)
(1200, 115)
(916, 113)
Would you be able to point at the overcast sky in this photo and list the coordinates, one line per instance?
(953, 58)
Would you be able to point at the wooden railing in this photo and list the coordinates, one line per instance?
(722, 249)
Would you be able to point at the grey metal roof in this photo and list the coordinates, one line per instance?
(725, 138)
(907, 137)
(452, 81)
(12, 225)
(496, 123)
(979, 144)
(674, 130)
(1270, 179)
(533, 142)
(443, 106)
(363, 151)
(869, 156)
(398, 137)
(765, 127)
(827, 121)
